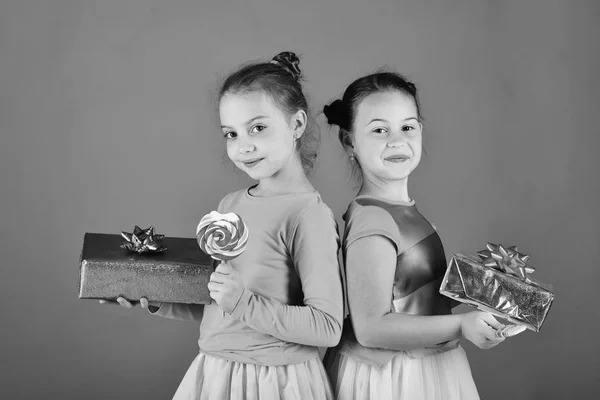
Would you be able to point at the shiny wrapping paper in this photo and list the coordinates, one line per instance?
(497, 282)
(177, 275)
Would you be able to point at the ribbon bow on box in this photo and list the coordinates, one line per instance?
(509, 260)
(143, 241)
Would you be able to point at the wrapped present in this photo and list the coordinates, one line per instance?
(144, 264)
(497, 281)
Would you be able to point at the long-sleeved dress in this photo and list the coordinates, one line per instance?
(292, 304)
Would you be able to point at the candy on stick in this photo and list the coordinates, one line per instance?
(222, 236)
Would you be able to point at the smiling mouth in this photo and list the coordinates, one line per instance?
(397, 159)
(252, 163)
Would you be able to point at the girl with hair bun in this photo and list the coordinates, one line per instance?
(280, 299)
(400, 340)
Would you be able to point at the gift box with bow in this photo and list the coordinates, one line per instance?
(497, 281)
(144, 264)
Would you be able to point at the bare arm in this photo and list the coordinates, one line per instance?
(370, 268)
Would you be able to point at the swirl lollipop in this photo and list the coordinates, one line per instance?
(222, 236)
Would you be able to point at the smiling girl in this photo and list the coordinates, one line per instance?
(281, 299)
(400, 340)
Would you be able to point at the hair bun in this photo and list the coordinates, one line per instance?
(335, 113)
(290, 62)
(411, 87)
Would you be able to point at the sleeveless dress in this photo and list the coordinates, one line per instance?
(441, 372)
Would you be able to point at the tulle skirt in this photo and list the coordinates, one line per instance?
(444, 376)
(212, 378)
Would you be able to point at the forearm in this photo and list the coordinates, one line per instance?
(396, 331)
(306, 324)
(179, 311)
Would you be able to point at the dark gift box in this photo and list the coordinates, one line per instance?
(497, 281)
(179, 274)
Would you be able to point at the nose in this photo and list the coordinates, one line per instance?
(246, 147)
(396, 139)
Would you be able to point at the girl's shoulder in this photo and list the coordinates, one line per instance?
(374, 211)
(312, 218)
(366, 218)
(288, 208)
(401, 222)
(310, 209)
(229, 199)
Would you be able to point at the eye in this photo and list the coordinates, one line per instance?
(408, 128)
(380, 131)
(257, 128)
(230, 135)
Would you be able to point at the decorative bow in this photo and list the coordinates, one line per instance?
(143, 241)
(508, 260)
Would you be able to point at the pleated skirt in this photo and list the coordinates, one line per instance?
(212, 378)
(443, 376)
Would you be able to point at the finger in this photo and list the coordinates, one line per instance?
(490, 334)
(144, 302)
(510, 330)
(483, 345)
(497, 339)
(224, 268)
(111, 302)
(214, 287)
(217, 277)
(124, 302)
(491, 321)
(493, 343)
(214, 295)
(489, 343)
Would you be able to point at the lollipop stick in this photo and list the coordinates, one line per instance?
(222, 311)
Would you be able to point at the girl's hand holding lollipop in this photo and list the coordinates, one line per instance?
(223, 237)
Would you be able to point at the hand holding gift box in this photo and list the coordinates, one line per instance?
(498, 282)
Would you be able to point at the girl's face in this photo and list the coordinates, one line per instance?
(260, 137)
(387, 136)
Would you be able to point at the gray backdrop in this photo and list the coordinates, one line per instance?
(108, 119)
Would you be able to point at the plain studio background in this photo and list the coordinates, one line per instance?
(108, 119)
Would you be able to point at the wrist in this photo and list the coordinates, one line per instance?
(461, 325)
